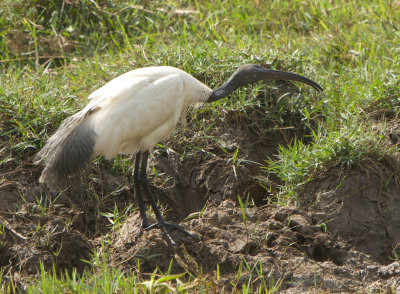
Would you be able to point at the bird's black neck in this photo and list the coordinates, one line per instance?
(237, 79)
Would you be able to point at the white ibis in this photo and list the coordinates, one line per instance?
(133, 112)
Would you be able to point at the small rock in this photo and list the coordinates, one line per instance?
(214, 216)
(270, 238)
(275, 225)
(289, 234)
(238, 245)
(389, 270)
(280, 216)
(227, 204)
(288, 276)
(225, 219)
(301, 225)
(194, 222)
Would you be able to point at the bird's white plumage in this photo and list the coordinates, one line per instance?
(139, 108)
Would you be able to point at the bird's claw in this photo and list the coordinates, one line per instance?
(167, 227)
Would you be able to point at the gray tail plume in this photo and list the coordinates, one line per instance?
(68, 150)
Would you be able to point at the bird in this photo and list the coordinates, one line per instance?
(132, 113)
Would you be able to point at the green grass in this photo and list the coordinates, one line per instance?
(110, 280)
(54, 53)
(348, 147)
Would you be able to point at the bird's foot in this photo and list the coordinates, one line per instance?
(167, 227)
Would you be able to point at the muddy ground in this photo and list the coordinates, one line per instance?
(344, 238)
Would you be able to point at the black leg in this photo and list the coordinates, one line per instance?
(142, 179)
(146, 188)
(138, 190)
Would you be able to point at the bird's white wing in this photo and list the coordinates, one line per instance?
(130, 82)
(116, 88)
(141, 118)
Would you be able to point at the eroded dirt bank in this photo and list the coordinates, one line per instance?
(344, 238)
(300, 249)
(292, 246)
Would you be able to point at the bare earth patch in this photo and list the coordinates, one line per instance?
(290, 244)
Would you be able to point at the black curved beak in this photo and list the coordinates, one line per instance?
(252, 73)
